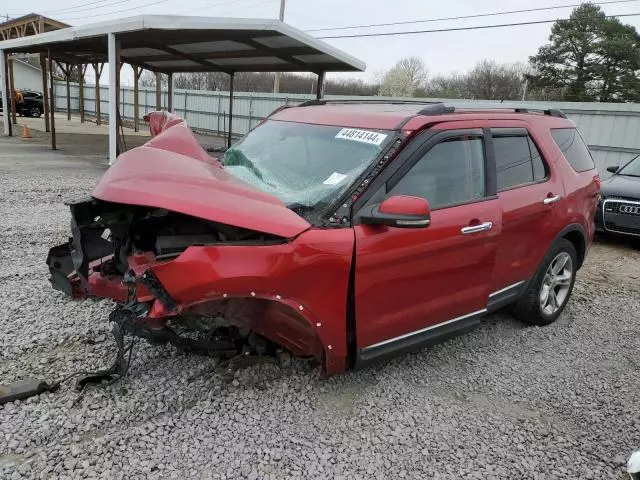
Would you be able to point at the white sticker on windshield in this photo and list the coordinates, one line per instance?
(334, 179)
(365, 136)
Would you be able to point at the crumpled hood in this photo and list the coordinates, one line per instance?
(173, 172)
(621, 186)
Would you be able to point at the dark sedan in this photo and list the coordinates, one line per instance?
(619, 207)
(32, 104)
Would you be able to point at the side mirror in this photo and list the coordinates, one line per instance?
(613, 169)
(400, 211)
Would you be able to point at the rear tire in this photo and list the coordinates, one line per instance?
(550, 290)
(35, 112)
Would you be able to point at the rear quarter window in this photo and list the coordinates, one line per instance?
(573, 148)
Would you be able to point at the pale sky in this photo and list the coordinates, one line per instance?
(442, 52)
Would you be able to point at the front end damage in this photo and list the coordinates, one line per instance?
(243, 290)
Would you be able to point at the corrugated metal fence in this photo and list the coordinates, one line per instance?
(612, 130)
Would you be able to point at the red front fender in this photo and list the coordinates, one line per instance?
(304, 280)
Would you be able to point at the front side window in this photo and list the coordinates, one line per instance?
(573, 148)
(518, 161)
(451, 173)
(306, 166)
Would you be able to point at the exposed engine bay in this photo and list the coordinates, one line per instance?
(111, 245)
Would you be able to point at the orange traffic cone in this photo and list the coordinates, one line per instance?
(25, 131)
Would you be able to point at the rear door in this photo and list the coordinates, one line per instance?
(530, 194)
(413, 285)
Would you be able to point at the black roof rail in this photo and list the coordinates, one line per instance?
(439, 108)
(554, 112)
(310, 103)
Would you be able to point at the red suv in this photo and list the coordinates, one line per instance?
(344, 231)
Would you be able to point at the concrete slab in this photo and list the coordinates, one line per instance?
(76, 139)
(75, 126)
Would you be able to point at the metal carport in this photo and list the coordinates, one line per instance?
(171, 44)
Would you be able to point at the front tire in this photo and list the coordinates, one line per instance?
(35, 112)
(549, 291)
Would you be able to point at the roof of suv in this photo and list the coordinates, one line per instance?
(393, 116)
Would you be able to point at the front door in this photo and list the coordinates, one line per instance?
(412, 285)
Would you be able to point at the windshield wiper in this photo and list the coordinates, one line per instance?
(629, 175)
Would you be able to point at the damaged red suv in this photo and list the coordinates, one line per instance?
(343, 231)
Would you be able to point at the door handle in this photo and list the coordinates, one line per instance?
(550, 200)
(482, 227)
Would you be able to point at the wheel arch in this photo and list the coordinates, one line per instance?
(575, 234)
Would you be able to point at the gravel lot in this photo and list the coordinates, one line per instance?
(503, 402)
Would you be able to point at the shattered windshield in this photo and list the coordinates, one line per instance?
(306, 166)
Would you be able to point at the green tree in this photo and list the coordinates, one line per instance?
(590, 57)
(569, 61)
(618, 53)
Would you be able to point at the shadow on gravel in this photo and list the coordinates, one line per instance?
(617, 241)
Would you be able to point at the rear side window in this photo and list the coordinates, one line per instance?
(573, 148)
(518, 161)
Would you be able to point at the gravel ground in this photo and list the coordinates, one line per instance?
(503, 402)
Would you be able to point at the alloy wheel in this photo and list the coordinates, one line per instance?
(556, 284)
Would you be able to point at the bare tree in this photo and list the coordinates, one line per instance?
(415, 70)
(405, 79)
(263, 82)
(148, 79)
(487, 80)
(491, 81)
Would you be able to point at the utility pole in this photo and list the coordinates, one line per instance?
(276, 80)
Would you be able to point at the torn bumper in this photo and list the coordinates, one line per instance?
(293, 292)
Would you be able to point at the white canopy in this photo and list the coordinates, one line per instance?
(169, 44)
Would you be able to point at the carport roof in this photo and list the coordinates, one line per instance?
(192, 44)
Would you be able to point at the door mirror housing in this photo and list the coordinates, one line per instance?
(613, 169)
(400, 211)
